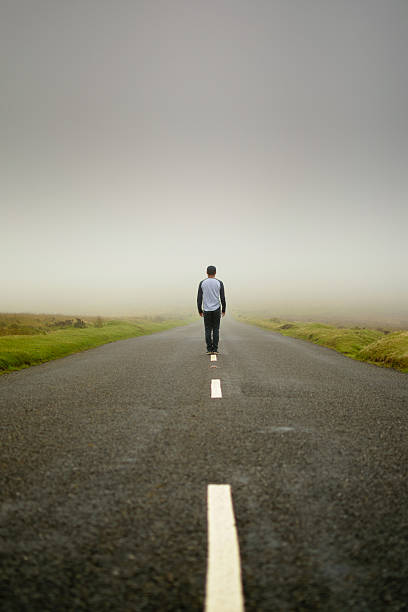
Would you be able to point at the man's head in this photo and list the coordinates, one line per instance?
(211, 270)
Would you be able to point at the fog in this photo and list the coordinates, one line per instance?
(142, 141)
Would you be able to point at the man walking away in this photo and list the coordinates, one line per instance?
(210, 294)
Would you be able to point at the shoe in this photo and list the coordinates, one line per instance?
(215, 352)
(209, 352)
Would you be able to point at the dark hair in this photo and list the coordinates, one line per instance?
(211, 270)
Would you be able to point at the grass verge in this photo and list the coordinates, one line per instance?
(21, 351)
(372, 345)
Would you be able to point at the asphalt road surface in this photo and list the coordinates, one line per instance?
(106, 457)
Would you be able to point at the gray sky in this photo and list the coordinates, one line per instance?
(143, 140)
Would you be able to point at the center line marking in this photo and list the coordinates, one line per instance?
(224, 583)
(213, 357)
(216, 387)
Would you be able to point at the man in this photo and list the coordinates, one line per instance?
(210, 294)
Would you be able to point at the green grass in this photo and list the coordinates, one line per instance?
(389, 351)
(371, 345)
(20, 351)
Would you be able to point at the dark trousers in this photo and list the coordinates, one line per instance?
(212, 320)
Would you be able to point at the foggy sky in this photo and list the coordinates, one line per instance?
(144, 140)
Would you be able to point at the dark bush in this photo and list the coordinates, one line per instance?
(79, 323)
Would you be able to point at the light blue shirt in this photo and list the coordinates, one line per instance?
(211, 289)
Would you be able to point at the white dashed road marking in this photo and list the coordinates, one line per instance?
(216, 388)
(224, 583)
(213, 357)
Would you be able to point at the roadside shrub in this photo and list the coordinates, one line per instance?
(79, 323)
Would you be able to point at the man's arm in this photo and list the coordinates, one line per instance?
(222, 298)
(200, 300)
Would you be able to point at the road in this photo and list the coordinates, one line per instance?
(106, 457)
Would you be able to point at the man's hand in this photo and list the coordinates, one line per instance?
(223, 314)
(201, 314)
